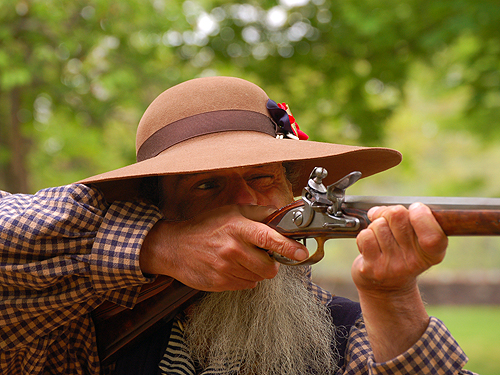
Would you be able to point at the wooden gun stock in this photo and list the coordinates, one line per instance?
(162, 300)
(457, 216)
(117, 326)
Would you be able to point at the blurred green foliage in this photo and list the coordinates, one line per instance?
(421, 76)
(476, 329)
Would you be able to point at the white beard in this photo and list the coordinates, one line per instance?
(276, 328)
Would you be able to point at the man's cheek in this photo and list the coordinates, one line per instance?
(281, 198)
(181, 210)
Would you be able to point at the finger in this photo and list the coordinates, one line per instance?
(368, 245)
(241, 272)
(431, 237)
(375, 212)
(227, 271)
(240, 284)
(386, 243)
(227, 282)
(255, 264)
(268, 239)
(367, 266)
(399, 223)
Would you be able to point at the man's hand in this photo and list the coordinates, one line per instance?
(397, 246)
(222, 249)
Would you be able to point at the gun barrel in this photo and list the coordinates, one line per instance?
(457, 216)
(438, 203)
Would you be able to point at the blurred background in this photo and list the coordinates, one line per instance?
(421, 76)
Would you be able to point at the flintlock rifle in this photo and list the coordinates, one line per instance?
(322, 213)
(326, 212)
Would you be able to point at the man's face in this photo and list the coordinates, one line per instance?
(282, 307)
(185, 196)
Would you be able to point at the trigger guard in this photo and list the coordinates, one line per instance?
(313, 259)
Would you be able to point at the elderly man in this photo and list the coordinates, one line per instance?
(215, 157)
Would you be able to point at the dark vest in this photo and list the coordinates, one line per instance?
(142, 358)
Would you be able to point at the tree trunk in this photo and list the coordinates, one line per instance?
(14, 172)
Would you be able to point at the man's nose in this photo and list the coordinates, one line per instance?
(241, 193)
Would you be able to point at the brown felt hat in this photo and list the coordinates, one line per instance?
(215, 123)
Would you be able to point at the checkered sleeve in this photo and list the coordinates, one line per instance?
(62, 252)
(436, 352)
(113, 272)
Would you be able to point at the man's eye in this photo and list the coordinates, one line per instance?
(207, 185)
(262, 180)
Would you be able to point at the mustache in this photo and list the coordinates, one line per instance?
(276, 328)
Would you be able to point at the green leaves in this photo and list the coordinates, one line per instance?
(346, 68)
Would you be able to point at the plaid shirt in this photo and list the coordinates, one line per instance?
(65, 250)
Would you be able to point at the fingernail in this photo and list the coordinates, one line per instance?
(371, 211)
(415, 206)
(300, 254)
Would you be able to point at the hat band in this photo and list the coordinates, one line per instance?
(203, 124)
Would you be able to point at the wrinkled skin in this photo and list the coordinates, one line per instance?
(217, 245)
(398, 246)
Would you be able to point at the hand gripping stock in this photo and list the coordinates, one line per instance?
(325, 213)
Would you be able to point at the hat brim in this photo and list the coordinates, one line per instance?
(247, 148)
